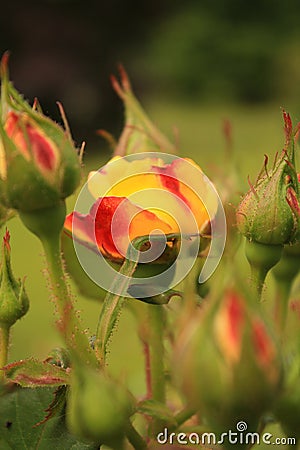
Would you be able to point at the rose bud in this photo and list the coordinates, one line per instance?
(267, 214)
(14, 302)
(287, 407)
(97, 408)
(39, 165)
(229, 364)
(286, 271)
(139, 133)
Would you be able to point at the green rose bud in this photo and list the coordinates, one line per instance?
(139, 133)
(14, 302)
(39, 165)
(97, 408)
(229, 364)
(267, 215)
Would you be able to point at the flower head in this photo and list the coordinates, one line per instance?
(39, 165)
(232, 346)
(141, 196)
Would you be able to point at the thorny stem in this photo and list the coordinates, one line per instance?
(146, 349)
(156, 345)
(47, 226)
(68, 323)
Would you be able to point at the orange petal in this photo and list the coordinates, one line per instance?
(114, 222)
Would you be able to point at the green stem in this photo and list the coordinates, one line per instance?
(284, 273)
(4, 343)
(68, 323)
(184, 415)
(156, 344)
(283, 288)
(135, 438)
(258, 277)
(261, 257)
(47, 226)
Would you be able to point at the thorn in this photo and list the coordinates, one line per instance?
(290, 164)
(288, 127)
(266, 165)
(108, 137)
(117, 87)
(275, 160)
(124, 78)
(36, 105)
(4, 64)
(81, 152)
(252, 188)
(65, 121)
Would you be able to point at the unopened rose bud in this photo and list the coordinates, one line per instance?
(14, 302)
(39, 165)
(139, 133)
(232, 346)
(267, 215)
(97, 408)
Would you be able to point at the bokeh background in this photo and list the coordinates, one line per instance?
(193, 64)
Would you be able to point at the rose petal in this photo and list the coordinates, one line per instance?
(113, 222)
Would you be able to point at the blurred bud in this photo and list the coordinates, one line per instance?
(231, 346)
(97, 408)
(14, 302)
(266, 213)
(139, 133)
(287, 407)
(39, 165)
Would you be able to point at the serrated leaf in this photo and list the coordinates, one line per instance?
(32, 373)
(57, 405)
(21, 410)
(157, 410)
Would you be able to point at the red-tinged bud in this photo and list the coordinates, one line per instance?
(287, 407)
(230, 366)
(39, 165)
(14, 302)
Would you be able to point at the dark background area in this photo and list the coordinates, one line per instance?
(208, 51)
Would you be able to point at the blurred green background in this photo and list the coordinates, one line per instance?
(193, 64)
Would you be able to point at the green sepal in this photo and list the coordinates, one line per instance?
(14, 302)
